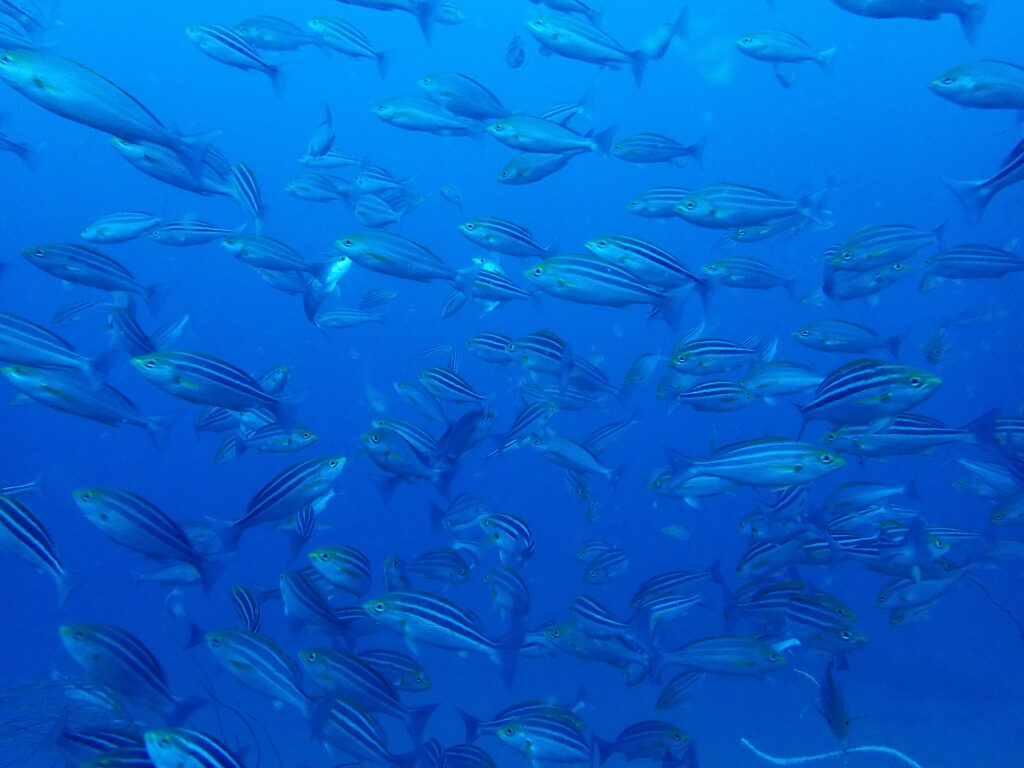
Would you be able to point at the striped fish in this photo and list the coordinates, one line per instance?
(136, 523)
(676, 691)
(247, 608)
(417, 437)
(25, 343)
(879, 246)
(771, 461)
(650, 739)
(83, 265)
(649, 262)
(272, 33)
(204, 379)
(659, 203)
(546, 739)
(305, 606)
(343, 567)
(399, 669)
(595, 620)
(427, 618)
(508, 592)
(120, 227)
(345, 725)
(845, 284)
(528, 167)
(675, 583)
(657, 148)
(227, 47)
(587, 279)
(467, 756)
(347, 675)
(502, 236)
(182, 748)
(727, 655)
(267, 253)
(969, 262)
(510, 534)
(116, 658)
(257, 663)
(22, 534)
(491, 347)
(543, 352)
(716, 396)
(445, 384)
(185, 232)
(300, 485)
(398, 256)
(606, 566)
(868, 390)
(339, 35)
(745, 272)
(728, 206)
(702, 357)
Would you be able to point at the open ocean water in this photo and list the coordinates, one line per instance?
(845, 140)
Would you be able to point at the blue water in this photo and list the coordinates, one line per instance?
(946, 691)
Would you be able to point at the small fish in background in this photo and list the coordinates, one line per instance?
(223, 45)
(975, 196)
(26, 152)
(338, 35)
(779, 47)
(452, 195)
(515, 54)
(936, 348)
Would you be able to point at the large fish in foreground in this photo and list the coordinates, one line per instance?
(68, 89)
(969, 12)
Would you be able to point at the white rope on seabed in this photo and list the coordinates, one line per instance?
(838, 753)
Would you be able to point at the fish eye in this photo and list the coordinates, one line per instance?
(602, 244)
(830, 437)
(537, 272)
(916, 382)
(311, 656)
(499, 127)
(380, 107)
(324, 557)
(378, 607)
(826, 458)
(509, 731)
(306, 435)
(805, 333)
(846, 255)
(746, 41)
(78, 634)
(846, 635)
(556, 633)
(38, 253)
(215, 642)
(419, 678)
(85, 496)
(948, 80)
(163, 741)
(690, 205)
(471, 226)
(150, 364)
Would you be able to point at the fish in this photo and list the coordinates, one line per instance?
(460, 94)
(228, 47)
(969, 12)
(780, 47)
(578, 38)
(258, 663)
(657, 148)
(22, 534)
(770, 461)
(114, 657)
(80, 395)
(75, 92)
(983, 84)
(879, 246)
(86, 266)
(528, 133)
(844, 337)
(971, 261)
(428, 618)
(414, 113)
(727, 655)
(169, 748)
(515, 54)
(272, 33)
(728, 206)
(975, 196)
(343, 37)
(650, 739)
(120, 227)
(866, 391)
(23, 342)
(502, 236)
(530, 167)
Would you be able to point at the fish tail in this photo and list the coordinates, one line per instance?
(66, 584)
(982, 430)
(825, 59)
(425, 12)
(277, 76)
(417, 721)
(184, 708)
(384, 60)
(159, 428)
(506, 655)
(813, 206)
(638, 61)
(894, 345)
(697, 151)
(973, 196)
(604, 749)
(192, 151)
(603, 140)
(971, 17)
(456, 300)
(472, 726)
